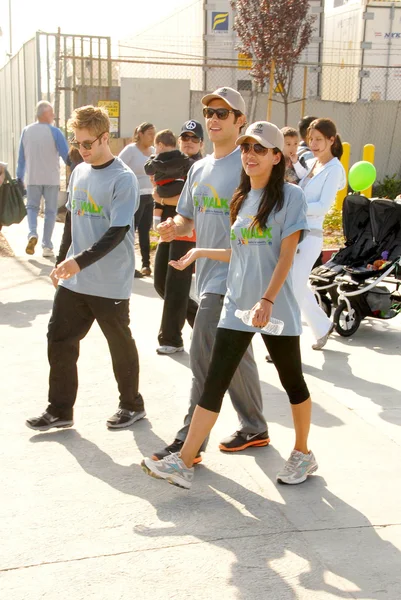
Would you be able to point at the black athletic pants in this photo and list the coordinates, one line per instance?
(174, 286)
(230, 346)
(72, 317)
(143, 223)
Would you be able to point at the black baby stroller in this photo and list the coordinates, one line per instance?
(361, 290)
(358, 242)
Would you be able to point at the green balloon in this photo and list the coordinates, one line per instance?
(361, 175)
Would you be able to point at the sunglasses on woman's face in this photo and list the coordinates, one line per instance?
(257, 148)
(87, 145)
(221, 113)
(186, 137)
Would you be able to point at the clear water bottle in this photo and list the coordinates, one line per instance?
(274, 326)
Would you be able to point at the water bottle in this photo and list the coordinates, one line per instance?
(274, 326)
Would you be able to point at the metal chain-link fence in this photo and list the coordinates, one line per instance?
(72, 71)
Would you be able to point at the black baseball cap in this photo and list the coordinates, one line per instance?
(194, 127)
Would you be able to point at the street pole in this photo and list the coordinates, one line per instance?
(10, 28)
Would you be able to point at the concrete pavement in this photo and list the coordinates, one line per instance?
(79, 519)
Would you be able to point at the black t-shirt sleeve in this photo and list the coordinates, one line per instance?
(107, 243)
(66, 239)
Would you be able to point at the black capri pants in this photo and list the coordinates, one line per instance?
(230, 346)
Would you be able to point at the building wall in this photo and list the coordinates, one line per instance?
(163, 102)
(175, 39)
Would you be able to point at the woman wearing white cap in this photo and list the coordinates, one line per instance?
(268, 219)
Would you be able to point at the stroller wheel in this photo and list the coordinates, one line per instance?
(346, 322)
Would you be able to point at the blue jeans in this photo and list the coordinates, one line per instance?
(34, 194)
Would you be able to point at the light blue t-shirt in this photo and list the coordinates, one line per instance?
(206, 199)
(99, 199)
(255, 253)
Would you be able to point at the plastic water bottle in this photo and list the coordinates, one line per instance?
(274, 326)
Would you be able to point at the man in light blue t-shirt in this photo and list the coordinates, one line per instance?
(93, 275)
(205, 205)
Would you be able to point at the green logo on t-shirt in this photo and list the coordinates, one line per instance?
(82, 204)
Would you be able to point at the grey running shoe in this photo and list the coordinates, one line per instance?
(297, 468)
(171, 468)
(169, 349)
(124, 418)
(321, 342)
(46, 421)
(176, 446)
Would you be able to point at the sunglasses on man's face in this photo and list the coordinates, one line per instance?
(186, 137)
(221, 113)
(257, 148)
(86, 144)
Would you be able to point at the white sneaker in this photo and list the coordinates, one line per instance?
(171, 468)
(169, 349)
(297, 468)
(48, 253)
(321, 342)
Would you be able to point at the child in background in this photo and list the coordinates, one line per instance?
(294, 170)
(169, 168)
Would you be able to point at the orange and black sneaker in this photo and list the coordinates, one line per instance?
(176, 446)
(240, 441)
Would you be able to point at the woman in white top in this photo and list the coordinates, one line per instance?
(135, 156)
(325, 177)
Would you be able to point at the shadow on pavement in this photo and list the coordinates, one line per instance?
(21, 314)
(45, 269)
(259, 533)
(377, 335)
(277, 407)
(337, 362)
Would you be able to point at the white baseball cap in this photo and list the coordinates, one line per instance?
(267, 134)
(229, 95)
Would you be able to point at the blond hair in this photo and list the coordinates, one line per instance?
(93, 118)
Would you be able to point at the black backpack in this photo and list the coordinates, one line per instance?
(12, 207)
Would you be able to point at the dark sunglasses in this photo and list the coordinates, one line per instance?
(221, 113)
(186, 137)
(86, 145)
(257, 148)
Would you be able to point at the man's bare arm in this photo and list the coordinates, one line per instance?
(178, 227)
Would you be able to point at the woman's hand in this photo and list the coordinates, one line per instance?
(262, 311)
(184, 262)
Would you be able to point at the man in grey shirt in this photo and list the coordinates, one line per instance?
(204, 204)
(41, 146)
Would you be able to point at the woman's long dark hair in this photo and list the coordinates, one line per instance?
(328, 128)
(272, 198)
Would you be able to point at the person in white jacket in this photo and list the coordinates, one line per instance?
(325, 177)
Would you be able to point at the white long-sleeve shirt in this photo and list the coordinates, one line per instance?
(321, 190)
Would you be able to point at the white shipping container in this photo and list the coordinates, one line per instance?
(362, 50)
